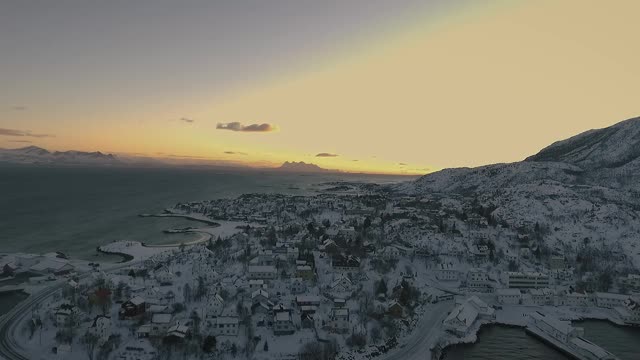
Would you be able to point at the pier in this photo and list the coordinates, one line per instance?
(567, 339)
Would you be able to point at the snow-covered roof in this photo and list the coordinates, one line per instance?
(161, 318)
(508, 292)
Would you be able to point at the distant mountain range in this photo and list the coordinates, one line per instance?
(301, 167)
(37, 155)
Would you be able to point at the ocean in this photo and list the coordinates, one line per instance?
(74, 210)
(500, 342)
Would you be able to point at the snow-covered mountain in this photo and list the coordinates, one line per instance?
(37, 155)
(585, 187)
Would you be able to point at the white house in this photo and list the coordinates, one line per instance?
(266, 272)
(339, 320)
(610, 300)
(509, 296)
(446, 272)
(527, 280)
(282, 321)
(215, 305)
(160, 324)
(477, 279)
(464, 315)
(341, 285)
(256, 284)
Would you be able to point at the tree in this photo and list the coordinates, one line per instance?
(186, 293)
(209, 344)
(266, 346)
(381, 287)
(90, 341)
(102, 297)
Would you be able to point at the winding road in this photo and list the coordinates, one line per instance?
(424, 336)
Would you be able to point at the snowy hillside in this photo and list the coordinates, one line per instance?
(583, 188)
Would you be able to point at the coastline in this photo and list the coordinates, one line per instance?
(473, 337)
(125, 257)
(169, 213)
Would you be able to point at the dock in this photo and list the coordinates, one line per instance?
(565, 338)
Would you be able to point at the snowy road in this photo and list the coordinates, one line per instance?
(423, 337)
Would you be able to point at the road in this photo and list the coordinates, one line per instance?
(424, 336)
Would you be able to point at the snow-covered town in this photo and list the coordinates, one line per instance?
(354, 272)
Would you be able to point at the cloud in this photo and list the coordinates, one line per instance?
(236, 126)
(326, 155)
(355, 160)
(21, 141)
(18, 108)
(27, 133)
(235, 153)
(187, 120)
(402, 164)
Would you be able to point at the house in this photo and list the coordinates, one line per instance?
(66, 314)
(460, 319)
(101, 328)
(132, 308)
(574, 299)
(265, 272)
(339, 320)
(215, 305)
(160, 324)
(542, 296)
(631, 282)
(446, 272)
(308, 300)
(164, 278)
(390, 253)
(298, 286)
(556, 262)
(477, 279)
(345, 263)
(395, 309)
(610, 300)
(527, 280)
(225, 325)
(557, 329)
(509, 296)
(282, 321)
(630, 312)
(341, 285)
(178, 332)
(259, 296)
(140, 349)
(52, 266)
(256, 284)
(305, 272)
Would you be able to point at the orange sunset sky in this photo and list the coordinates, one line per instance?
(370, 86)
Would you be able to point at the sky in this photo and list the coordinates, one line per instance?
(403, 86)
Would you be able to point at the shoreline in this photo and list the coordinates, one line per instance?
(168, 213)
(473, 337)
(125, 257)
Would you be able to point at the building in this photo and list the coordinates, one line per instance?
(160, 324)
(308, 300)
(339, 320)
(559, 330)
(215, 304)
(341, 285)
(265, 272)
(345, 263)
(527, 280)
(304, 271)
(610, 300)
(542, 296)
(464, 315)
(446, 272)
(477, 279)
(132, 308)
(556, 262)
(282, 321)
(509, 296)
(224, 325)
(256, 284)
(631, 282)
(52, 266)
